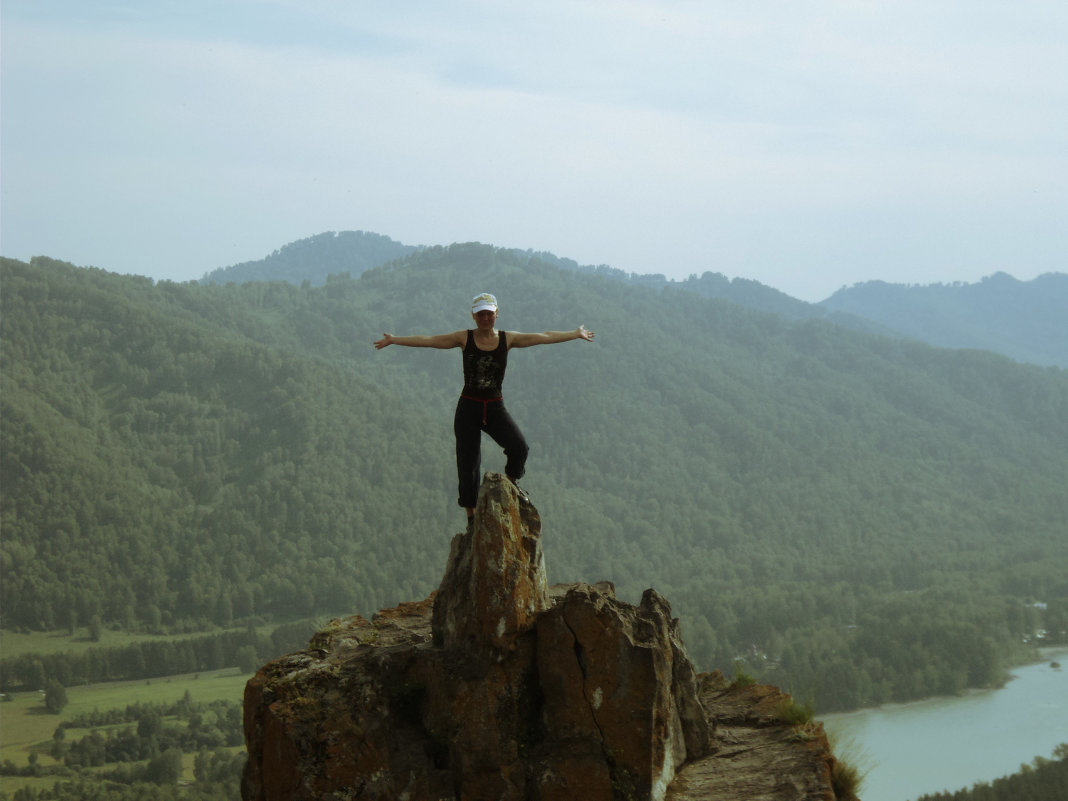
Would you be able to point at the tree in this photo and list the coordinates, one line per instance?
(150, 725)
(247, 660)
(55, 697)
(202, 766)
(59, 744)
(165, 768)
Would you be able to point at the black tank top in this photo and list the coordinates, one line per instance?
(484, 369)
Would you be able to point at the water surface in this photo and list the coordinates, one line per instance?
(950, 743)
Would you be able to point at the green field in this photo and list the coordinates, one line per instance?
(26, 727)
(13, 645)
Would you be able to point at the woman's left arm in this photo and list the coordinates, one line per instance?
(520, 340)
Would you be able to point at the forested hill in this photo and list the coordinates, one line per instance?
(316, 258)
(1026, 320)
(861, 518)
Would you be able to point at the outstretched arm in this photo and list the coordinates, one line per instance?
(456, 339)
(519, 340)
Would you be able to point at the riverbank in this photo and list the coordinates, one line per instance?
(947, 743)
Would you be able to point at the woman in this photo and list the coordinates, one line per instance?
(481, 405)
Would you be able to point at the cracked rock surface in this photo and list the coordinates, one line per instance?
(499, 687)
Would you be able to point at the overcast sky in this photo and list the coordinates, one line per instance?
(806, 145)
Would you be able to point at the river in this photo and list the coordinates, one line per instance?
(950, 743)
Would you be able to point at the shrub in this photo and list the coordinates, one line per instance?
(847, 778)
(741, 677)
(793, 713)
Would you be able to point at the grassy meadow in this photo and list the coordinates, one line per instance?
(15, 644)
(25, 726)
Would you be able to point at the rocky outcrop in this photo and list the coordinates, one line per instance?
(498, 687)
(616, 678)
(494, 585)
(755, 754)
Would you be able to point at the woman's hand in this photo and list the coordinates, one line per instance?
(387, 339)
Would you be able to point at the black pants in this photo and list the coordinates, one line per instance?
(472, 418)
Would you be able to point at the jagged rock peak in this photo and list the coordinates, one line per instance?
(499, 688)
(494, 584)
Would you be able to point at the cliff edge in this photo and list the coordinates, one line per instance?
(500, 688)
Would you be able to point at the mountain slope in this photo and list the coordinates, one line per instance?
(316, 258)
(1025, 320)
(154, 460)
(867, 516)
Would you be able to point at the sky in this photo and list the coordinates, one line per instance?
(806, 145)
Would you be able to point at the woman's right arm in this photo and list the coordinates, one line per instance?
(457, 339)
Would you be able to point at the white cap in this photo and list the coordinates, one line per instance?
(483, 302)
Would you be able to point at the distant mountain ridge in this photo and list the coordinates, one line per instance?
(316, 258)
(1026, 321)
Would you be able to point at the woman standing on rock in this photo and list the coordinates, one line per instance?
(481, 404)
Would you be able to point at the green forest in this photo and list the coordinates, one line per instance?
(1042, 780)
(856, 518)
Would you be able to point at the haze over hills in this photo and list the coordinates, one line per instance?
(316, 258)
(1027, 321)
(862, 518)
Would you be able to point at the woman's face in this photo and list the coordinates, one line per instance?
(485, 319)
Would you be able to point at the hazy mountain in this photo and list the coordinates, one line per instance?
(1025, 320)
(315, 259)
(744, 292)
